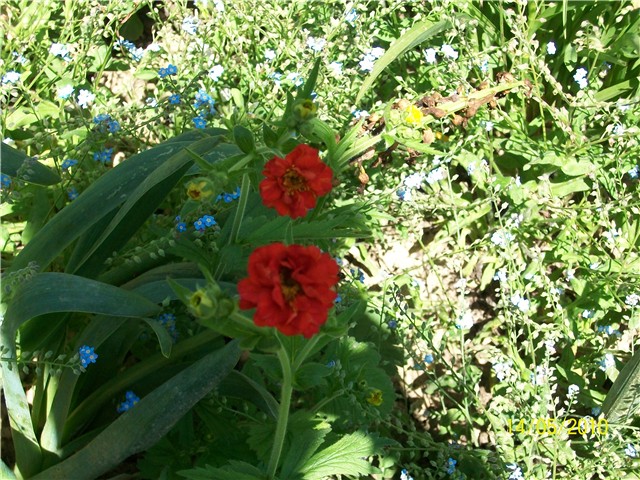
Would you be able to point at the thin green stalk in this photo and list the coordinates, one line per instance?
(306, 350)
(283, 412)
(242, 204)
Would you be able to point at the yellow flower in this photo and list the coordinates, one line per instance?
(414, 115)
(199, 190)
(375, 397)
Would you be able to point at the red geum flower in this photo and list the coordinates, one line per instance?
(291, 288)
(293, 184)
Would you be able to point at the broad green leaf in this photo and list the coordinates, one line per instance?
(42, 294)
(149, 420)
(565, 188)
(623, 399)
(416, 35)
(32, 171)
(104, 196)
(244, 139)
(345, 457)
(303, 446)
(60, 292)
(141, 203)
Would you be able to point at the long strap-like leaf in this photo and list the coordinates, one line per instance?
(623, 398)
(149, 420)
(413, 37)
(49, 293)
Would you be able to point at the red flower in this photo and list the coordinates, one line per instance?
(293, 183)
(291, 288)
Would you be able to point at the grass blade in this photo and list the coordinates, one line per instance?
(416, 35)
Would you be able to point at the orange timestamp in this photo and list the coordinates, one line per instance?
(554, 426)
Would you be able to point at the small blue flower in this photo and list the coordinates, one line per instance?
(631, 451)
(168, 320)
(103, 117)
(199, 225)
(404, 475)
(451, 466)
(5, 180)
(404, 195)
(169, 70)
(65, 92)
(103, 156)
(338, 299)
(596, 411)
(87, 355)
(72, 193)
(113, 126)
(174, 99)
(208, 221)
(130, 400)
(181, 227)
(393, 324)
(199, 122)
(428, 358)
(331, 363)
(634, 172)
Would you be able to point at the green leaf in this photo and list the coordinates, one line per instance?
(141, 427)
(139, 205)
(244, 139)
(311, 375)
(566, 188)
(47, 293)
(31, 170)
(416, 35)
(236, 470)
(310, 84)
(304, 444)
(344, 457)
(164, 339)
(623, 399)
(613, 91)
(60, 292)
(103, 197)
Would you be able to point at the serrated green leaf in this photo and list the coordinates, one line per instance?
(345, 457)
(303, 446)
(236, 470)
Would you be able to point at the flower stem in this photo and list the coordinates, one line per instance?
(283, 412)
(242, 204)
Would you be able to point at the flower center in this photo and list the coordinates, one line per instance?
(290, 288)
(293, 182)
